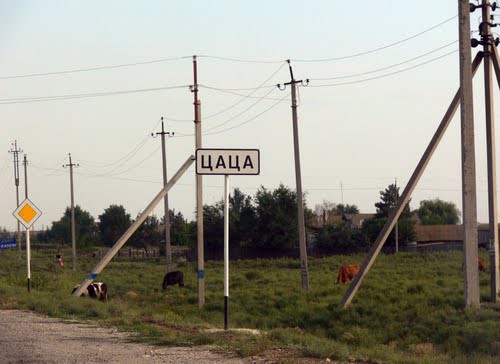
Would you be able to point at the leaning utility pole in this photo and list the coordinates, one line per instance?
(168, 247)
(298, 178)
(488, 43)
(469, 201)
(199, 191)
(15, 152)
(73, 231)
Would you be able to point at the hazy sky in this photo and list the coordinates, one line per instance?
(361, 134)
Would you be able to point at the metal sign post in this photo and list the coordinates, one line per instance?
(226, 250)
(227, 162)
(27, 213)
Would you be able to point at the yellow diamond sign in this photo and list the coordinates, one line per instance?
(27, 213)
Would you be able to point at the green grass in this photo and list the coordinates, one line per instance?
(409, 308)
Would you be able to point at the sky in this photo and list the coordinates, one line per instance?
(381, 78)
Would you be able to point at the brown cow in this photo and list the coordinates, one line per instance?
(480, 264)
(347, 273)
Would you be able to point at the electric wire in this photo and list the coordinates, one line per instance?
(240, 59)
(121, 161)
(231, 59)
(28, 75)
(379, 48)
(240, 113)
(384, 68)
(248, 95)
(385, 75)
(251, 119)
(85, 95)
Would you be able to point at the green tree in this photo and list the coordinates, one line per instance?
(148, 234)
(438, 212)
(341, 209)
(85, 227)
(213, 225)
(276, 218)
(388, 199)
(113, 223)
(179, 229)
(241, 218)
(406, 226)
(341, 238)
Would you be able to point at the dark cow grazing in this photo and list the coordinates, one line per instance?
(98, 291)
(347, 273)
(172, 278)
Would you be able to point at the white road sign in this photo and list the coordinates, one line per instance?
(228, 161)
(27, 213)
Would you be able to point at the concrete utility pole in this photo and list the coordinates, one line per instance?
(405, 196)
(469, 202)
(15, 152)
(298, 179)
(488, 44)
(199, 191)
(396, 233)
(168, 247)
(135, 225)
(25, 164)
(73, 228)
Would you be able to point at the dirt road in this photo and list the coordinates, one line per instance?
(26, 337)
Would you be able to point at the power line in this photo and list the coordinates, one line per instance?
(247, 96)
(384, 68)
(28, 75)
(251, 119)
(85, 95)
(242, 112)
(386, 75)
(240, 59)
(379, 48)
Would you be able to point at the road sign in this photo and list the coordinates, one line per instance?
(27, 213)
(6, 243)
(227, 161)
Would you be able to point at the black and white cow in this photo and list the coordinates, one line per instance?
(171, 278)
(96, 290)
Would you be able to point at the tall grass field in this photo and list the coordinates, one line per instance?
(409, 309)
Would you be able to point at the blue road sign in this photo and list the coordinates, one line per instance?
(7, 243)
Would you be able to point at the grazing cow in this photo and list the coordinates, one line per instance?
(480, 264)
(171, 278)
(96, 290)
(347, 273)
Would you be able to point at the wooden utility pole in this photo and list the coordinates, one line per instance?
(488, 44)
(199, 191)
(469, 202)
(298, 180)
(73, 228)
(15, 152)
(168, 246)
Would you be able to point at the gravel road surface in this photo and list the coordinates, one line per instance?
(26, 337)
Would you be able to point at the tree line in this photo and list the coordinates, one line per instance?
(265, 221)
